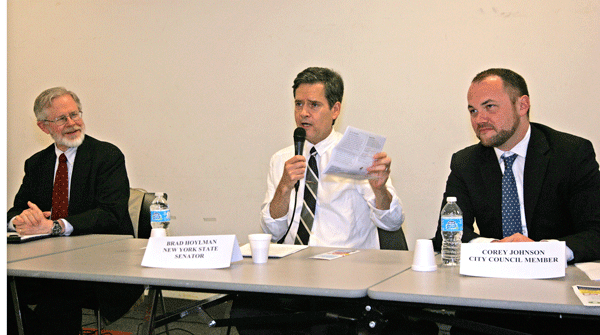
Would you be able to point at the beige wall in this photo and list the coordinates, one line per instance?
(198, 95)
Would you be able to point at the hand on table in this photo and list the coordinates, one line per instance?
(33, 221)
(518, 237)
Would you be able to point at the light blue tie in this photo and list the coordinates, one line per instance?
(511, 208)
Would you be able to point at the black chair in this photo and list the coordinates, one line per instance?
(392, 240)
(139, 210)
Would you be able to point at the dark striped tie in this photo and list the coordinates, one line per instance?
(511, 208)
(310, 200)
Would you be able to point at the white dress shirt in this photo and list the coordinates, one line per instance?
(345, 214)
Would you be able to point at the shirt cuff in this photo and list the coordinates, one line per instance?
(11, 226)
(68, 228)
(275, 227)
(569, 256)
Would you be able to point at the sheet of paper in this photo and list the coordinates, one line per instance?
(354, 153)
(592, 269)
(335, 254)
(589, 295)
(275, 250)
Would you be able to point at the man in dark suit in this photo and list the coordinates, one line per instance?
(96, 203)
(556, 174)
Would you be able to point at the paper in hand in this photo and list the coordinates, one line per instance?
(354, 153)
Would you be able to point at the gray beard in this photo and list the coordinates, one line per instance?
(70, 143)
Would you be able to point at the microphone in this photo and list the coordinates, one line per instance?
(299, 137)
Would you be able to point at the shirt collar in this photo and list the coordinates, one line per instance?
(520, 149)
(70, 153)
(322, 146)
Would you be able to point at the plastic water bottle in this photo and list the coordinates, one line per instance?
(452, 231)
(160, 215)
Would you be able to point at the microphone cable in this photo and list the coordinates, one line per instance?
(291, 221)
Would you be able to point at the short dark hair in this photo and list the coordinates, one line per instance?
(334, 85)
(514, 84)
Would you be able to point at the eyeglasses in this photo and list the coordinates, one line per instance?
(59, 121)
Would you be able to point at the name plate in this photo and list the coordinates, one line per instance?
(527, 260)
(192, 252)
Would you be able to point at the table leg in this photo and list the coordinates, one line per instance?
(15, 298)
(148, 325)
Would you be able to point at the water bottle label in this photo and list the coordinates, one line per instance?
(160, 215)
(452, 224)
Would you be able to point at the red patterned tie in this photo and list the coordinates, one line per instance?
(60, 192)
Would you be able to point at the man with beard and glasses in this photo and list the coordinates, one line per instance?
(556, 174)
(94, 200)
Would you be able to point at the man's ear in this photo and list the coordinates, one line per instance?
(524, 105)
(43, 127)
(336, 110)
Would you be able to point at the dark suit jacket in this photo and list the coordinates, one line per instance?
(97, 205)
(561, 190)
(99, 188)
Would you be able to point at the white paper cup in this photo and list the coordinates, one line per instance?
(259, 245)
(158, 232)
(424, 259)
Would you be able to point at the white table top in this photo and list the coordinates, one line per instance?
(346, 277)
(447, 287)
(53, 245)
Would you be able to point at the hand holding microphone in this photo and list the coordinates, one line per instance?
(295, 167)
(294, 170)
(299, 138)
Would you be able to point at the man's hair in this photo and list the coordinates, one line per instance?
(513, 83)
(334, 85)
(44, 100)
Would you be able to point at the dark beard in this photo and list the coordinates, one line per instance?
(503, 135)
(500, 138)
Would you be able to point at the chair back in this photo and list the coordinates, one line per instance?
(136, 196)
(139, 210)
(392, 240)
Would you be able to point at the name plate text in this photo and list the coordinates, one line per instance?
(527, 260)
(192, 252)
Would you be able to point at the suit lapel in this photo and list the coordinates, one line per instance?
(536, 164)
(492, 179)
(81, 168)
(47, 183)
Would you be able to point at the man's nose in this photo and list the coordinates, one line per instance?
(70, 121)
(304, 111)
(481, 117)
